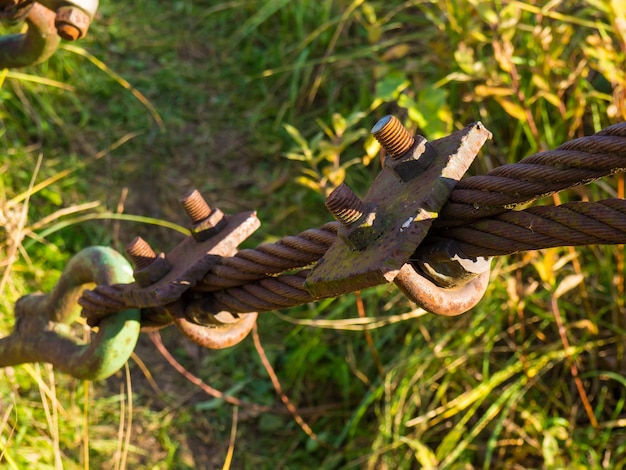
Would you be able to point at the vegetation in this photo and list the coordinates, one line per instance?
(266, 105)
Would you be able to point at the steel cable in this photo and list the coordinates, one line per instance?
(477, 215)
(570, 224)
(288, 253)
(576, 162)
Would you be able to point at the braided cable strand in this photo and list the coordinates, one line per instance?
(288, 253)
(576, 162)
(248, 281)
(266, 295)
(570, 224)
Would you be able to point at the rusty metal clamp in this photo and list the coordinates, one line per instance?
(161, 280)
(48, 21)
(380, 235)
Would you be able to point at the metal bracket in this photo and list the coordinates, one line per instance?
(190, 260)
(380, 234)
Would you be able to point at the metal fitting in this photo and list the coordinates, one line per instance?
(213, 331)
(446, 265)
(72, 23)
(407, 156)
(392, 136)
(149, 267)
(435, 299)
(360, 224)
(403, 214)
(345, 206)
(14, 11)
(207, 222)
(414, 161)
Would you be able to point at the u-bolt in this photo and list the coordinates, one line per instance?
(224, 330)
(441, 301)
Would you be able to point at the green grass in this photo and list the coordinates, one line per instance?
(267, 106)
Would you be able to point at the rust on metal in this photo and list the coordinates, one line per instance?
(149, 267)
(34, 46)
(72, 23)
(206, 222)
(195, 206)
(405, 210)
(42, 320)
(345, 205)
(224, 330)
(447, 265)
(576, 162)
(288, 253)
(140, 253)
(392, 136)
(435, 299)
(191, 260)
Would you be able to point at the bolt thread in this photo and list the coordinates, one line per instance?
(195, 206)
(392, 136)
(140, 252)
(345, 205)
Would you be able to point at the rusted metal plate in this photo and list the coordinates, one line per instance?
(404, 211)
(191, 260)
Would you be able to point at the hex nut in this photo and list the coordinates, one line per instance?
(153, 272)
(414, 161)
(208, 227)
(72, 23)
(363, 233)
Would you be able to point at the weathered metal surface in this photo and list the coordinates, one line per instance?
(42, 321)
(446, 265)
(223, 330)
(47, 21)
(506, 187)
(190, 261)
(72, 23)
(36, 45)
(401, 213)
(435, 299)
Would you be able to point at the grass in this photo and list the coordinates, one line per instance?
(266, 105)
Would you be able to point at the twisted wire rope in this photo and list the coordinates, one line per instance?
(576, 162)
(570, 224)
(477, 216)
(288, 253)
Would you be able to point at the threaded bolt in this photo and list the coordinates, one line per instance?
(195, 206)
(392, 136)
(345, 205)
(140, 252)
